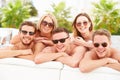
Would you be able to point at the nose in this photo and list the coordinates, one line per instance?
(100, 46)
(27, 34)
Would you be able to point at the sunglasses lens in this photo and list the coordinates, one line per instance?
(45, 23)
(78, 24)
(50, 25)
(104, 44)
(24, 32)
(96, 44)
(85, 23)
(31, 33)
(62, 40)
(55, 41)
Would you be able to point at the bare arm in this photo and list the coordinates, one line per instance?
(13, 53)
(46, 55)
(74, 59)
(116, 65)
(81, 42)
(88, 64)
(44, 40)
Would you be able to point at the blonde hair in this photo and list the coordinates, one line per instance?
(47, 15)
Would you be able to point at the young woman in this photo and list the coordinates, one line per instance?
(83, 30)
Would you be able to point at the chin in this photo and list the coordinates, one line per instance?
(60, 50)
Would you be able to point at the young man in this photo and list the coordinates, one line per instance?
(102, 53)
(23, 49)
(63, 50)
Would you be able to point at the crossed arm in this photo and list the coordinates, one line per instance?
(73, 60)
(47, 55)
(13, 53)
(88, 64)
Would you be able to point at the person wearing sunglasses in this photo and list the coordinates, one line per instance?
(25, 47)
(63, 49)
(102, 55)
(46, 24)
(83, 30)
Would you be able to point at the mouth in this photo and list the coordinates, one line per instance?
(60, 48)
(100, 53)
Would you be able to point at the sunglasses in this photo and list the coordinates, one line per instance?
(25, 32)
(80, 23)
(60, 40)
(45, 23)
(102, 44)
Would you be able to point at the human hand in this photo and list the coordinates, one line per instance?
(39, 39)
(63, 54)
(111, 61)
(78, 41)
(27, 51)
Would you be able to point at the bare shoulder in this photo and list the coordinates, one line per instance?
(115, 53)
(91, 54)
(15, 39)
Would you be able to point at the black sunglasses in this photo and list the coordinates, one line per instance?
(80, 23)
(25, 32)
(103, 44)
(45, 23)
(61, 40)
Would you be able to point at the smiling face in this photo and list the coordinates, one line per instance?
(83, 25)
(27, 34)
(47, 25)
(62, 41)
(101, 45)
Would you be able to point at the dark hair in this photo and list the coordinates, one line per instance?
(60, 29)
(75, 31)
(29, 23)
(102, 32)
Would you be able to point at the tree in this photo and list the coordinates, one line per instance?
(14, 13)
(107, 15)
(62, 14)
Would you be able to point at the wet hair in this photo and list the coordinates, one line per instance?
(28, 23)
(60, 29)
(75, 31)
(54, 20)
(102, 32)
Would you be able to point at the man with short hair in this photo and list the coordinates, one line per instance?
(23, 49)
(102, 54)
(63, 49)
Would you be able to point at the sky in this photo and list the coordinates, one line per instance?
(77, 6)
